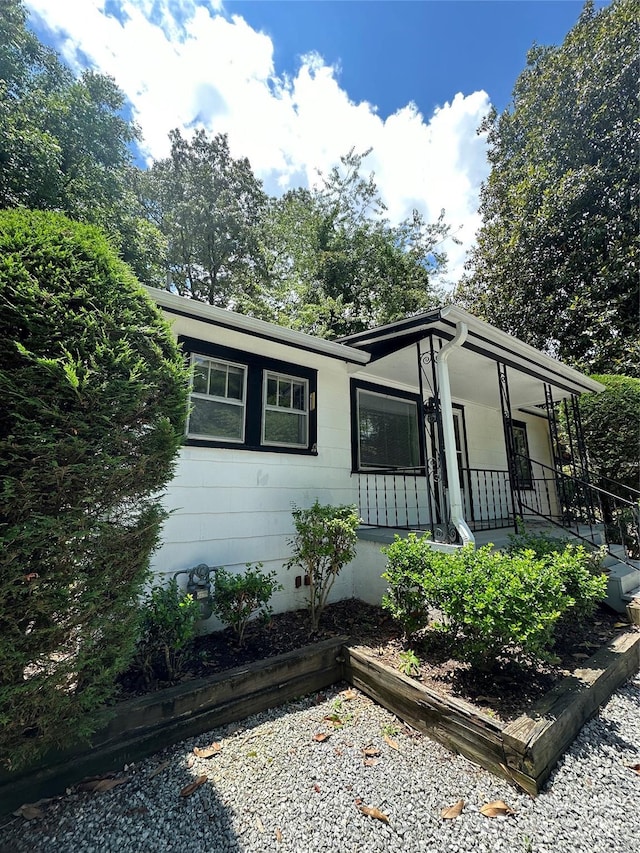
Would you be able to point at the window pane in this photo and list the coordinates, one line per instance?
(200, 376)
(218, 380)
(299, 397)
(284, 393)
(285, 428)
(214, 419)
(272, 391)
(388, 428)
(235, 386)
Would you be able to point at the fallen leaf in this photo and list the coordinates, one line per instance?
(335, 721)
(159, 769)
(259, 824)
(453, 811)
(621, 625)
(372, 811)
(207, 751)
(321, 736)
(370, 751)
(635, 767)
(337, 751)
(193, 786)
(29, 811)
(99, 786)
(496, 809)
(347, 695)
(370, 762)
(316, 788)
(31, 576)
(278, 834)
(391, 742)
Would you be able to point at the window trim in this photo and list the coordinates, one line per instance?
(267, 408)
(256, 366)
(225, 400)
(384, 391)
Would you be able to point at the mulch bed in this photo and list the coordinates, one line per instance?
(505, 693)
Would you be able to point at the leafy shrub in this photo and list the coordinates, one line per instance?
(169, 619)
(94, 395)
(409, 662)
(492, 603)
(325, 541)
(239, 597)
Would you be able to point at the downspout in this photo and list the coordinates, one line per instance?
(449, 437)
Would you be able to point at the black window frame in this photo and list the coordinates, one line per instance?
(257, 367)
(383, 390)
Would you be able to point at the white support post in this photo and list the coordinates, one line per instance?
(456, 507)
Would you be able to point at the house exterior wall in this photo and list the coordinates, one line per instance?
(233, 506)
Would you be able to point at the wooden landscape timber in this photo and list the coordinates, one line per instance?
(524, 751)
(147, 724)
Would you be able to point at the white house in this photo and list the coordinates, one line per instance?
(439, 422)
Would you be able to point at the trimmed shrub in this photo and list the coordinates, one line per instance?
(168, 625)
(493, 603)
(94, 392)
(237, 598)
(325, 541)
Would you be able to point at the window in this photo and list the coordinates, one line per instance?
(286, 410)
(218, 393)
(387, 430)
(246, 401)
(522, 463)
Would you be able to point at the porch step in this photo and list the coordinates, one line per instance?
(623, 583)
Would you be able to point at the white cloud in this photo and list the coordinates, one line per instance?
(219, 72)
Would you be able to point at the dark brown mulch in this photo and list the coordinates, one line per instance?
(505, 693)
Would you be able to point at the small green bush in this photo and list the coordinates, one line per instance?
(325, 541)
(239, 597)
(167, 630)
(492, 603)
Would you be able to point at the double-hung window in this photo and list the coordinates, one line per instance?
(522, 462)
(285, 410)
(218, 394)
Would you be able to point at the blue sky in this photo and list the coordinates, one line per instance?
(297, 84)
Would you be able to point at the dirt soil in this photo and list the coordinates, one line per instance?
(505, 694)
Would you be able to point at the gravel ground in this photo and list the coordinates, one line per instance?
(272, 787)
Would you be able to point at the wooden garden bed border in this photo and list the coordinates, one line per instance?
(145, 725)
(524, 751)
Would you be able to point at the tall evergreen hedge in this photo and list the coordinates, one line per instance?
(93, 397)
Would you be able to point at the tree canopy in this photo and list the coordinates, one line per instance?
(556, 261)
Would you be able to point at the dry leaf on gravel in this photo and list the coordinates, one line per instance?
(391, 742)
(635, 767)
(370, 752)
(321, 736)
(347, 695)
(207, 751)
(159, 769)
(193, 786)
(497, 808)
(259, 824)
(278, 834)
(453, 811)
(372, 811)
(29, 811)
(99, 786)
(370, 762)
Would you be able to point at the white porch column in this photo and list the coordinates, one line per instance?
(456, 507)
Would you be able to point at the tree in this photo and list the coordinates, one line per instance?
(94, 393)
(556, 261)
(65, 145)
(337, 265)
(611, 426)
(208, 205)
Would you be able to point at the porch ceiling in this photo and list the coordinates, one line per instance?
(472, 367)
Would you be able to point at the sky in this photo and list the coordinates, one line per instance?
(298, 83)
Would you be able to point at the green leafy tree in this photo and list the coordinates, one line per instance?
(94, 394)
(556, 261)
(65, 144)
(335, 263)
(208, 206)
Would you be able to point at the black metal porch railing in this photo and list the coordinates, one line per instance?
(486, 496)
(394, 497)
(584, 509)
